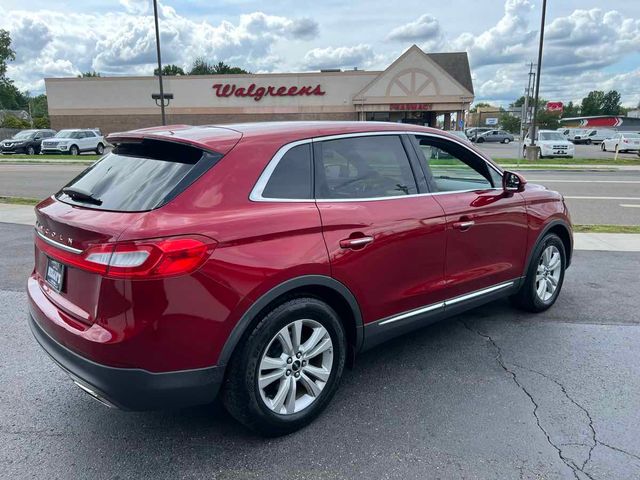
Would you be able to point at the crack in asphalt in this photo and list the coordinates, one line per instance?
(500, 359)
(594, 439)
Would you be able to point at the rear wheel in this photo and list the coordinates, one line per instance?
(288, 369)
(100, 149)
(480, 140)
(506, 140)
(544, 278)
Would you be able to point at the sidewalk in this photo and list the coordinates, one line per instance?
(610, 242)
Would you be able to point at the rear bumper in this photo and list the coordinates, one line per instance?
(130, 388)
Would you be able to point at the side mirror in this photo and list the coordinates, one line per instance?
(513, 182)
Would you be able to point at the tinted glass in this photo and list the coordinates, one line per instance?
(451, 167)
(292, 177)
(140, 176)
(363, 167)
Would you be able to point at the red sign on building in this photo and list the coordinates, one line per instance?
(555, 106)
(258, 93)
(410, 106)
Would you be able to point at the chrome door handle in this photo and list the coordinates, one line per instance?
(357, 242)
(464, 225)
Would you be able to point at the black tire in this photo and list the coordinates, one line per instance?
(527, 297)
(603, 147)
(73, 150)
(100, 149)
(540, 153)
(241, 394)
(588, 142)
(480, 140)
(31, 150)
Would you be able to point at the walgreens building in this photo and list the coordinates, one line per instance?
(416, 88)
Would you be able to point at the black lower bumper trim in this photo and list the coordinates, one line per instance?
(130, 388)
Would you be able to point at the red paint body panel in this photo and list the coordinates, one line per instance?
(492, 250)
(403, 268)
(182, 323)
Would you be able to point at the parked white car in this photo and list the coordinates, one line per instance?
(595, 135)
(550, 143)
(74, 142)
(623, 141)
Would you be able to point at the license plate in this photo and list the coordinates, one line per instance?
(55, 274)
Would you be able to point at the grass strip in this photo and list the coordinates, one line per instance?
(606, 228)
(19, 200)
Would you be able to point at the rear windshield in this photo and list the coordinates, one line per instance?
(138, 177)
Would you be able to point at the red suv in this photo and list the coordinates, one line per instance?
(257, 259)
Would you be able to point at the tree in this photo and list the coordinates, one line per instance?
(520, 102)
(592, 103)
(548, 120)
(223, 68)
(202, 67)
(92, 74)
(475, 107)
(14, 122)
(170, 70)
(611, 103)
(10, 97)
(6, 52)
(570, 110)
(510, 123)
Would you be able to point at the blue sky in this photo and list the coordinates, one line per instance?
(590, 45)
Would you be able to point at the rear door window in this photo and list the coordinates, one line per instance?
(363, 167)
(138, 176)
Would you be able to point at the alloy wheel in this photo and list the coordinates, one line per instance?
(548, 273)
(295, 367)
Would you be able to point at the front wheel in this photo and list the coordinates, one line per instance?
(480, 140)
(74, 150)
(288, 369)
(31, 150)
(506, 140)
(545, 276)
(603, 147)
(588, 142)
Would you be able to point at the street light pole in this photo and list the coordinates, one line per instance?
(155, 16)
(538, 67)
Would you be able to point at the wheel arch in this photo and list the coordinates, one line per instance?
(562, 229)
(327, 289)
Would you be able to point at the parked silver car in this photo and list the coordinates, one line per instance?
(495, 136)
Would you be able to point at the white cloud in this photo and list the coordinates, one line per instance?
(51, 43)
(506, 42)
(341, 57)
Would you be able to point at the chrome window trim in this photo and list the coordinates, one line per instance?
(445, 303)
(61, 246)
(258, 189)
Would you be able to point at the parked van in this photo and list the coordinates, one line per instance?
(594, 136)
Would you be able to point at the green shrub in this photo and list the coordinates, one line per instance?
(14, 122)
(41, 122)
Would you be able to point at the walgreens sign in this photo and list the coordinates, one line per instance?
(258, 93)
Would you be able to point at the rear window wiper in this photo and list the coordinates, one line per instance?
(82, 195)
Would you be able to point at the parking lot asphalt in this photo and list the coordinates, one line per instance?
(494, 393)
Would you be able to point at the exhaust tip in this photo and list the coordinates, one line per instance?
(93, 394)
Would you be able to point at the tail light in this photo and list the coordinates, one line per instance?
(141, 259)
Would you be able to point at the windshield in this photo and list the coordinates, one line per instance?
(551, 136)
(67, 134)
(23, 134)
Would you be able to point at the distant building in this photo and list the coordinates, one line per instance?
(615, 122)
(417, 88)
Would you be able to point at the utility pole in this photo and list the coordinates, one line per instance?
(155, 16)
(532, 152)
